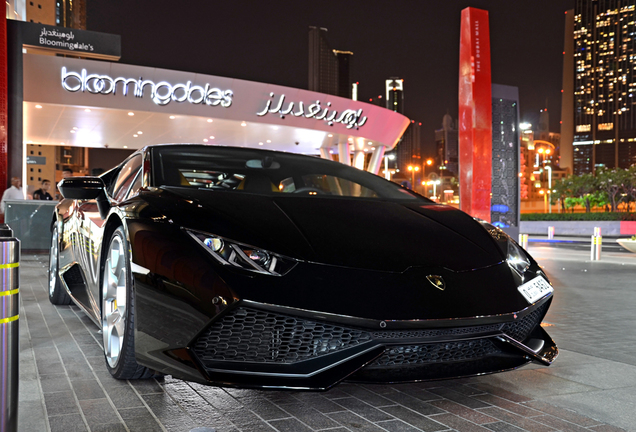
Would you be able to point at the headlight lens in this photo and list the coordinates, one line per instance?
(517, 258)
(231, 253)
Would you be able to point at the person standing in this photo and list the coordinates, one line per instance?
(43, 192)
(13, 193)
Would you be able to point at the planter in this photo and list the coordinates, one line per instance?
(628, 244)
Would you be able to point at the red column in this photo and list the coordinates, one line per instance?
(475, 114)
(4, 103)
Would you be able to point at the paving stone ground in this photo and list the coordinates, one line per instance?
(64, 385)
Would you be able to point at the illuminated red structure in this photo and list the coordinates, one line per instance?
(475, 114)
(4, 105)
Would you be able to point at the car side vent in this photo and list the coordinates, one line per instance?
(520, 329)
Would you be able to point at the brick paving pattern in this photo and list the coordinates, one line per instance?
(65, 387)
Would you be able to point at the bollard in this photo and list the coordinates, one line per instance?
(9, 331)
(595, 251)
(597, 231)
(523, 240)
(550, 232)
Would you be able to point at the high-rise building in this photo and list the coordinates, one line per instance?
(329, 69)
(446, 143)
(61, 13)
(408, 152)
(395, 95)
(604, 84)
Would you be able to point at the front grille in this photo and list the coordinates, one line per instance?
(249, 335)
(435, 353)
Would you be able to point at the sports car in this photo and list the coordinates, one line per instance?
(253, 268)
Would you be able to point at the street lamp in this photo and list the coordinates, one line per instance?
(413, 169)
(549, 168)
(545, 199)
(434, 183)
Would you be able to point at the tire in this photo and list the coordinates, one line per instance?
(57, 293)
(118, 311)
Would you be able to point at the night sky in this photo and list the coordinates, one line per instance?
(417, 40)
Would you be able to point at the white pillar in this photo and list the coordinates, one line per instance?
(343, 153)
(324, 153)
(358, 159)
(376, 160)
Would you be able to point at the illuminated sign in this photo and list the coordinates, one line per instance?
(75, 42)
(62, 39)
(583, 128)
(161, 93)
(348, 117)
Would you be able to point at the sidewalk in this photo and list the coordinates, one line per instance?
(65, 386)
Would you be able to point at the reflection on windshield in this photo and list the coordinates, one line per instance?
(266, 172)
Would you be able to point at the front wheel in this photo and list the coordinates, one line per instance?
(57, 293)
(118, 311)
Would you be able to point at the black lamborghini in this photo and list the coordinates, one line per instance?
(252, 268)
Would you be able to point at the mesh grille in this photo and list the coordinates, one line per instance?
(520, 329)
(424, 334)
(435, 353)
(255, 336)
(248, 335)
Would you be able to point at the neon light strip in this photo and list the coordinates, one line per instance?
(8, 320)
(6, 293)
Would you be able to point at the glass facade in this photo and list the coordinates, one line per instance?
(604, 84)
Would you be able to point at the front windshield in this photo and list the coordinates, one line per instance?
(264, 172)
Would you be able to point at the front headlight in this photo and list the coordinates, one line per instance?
(517, 258)
(231, 253)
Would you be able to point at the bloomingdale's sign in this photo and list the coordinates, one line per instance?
(161, 93)
(349, 117)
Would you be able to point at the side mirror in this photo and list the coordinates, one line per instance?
(82, 188)
(86, 188)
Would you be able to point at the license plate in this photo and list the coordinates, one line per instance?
(535, 289)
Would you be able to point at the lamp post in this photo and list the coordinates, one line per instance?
(413, 169)
(549, 168)
(545, 200)
(434, 183)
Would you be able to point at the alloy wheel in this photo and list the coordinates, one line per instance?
(114, 301)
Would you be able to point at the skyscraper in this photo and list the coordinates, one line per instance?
(604, 99)
(329, 69)
(61, 13)
(395, 94)
(446, 142)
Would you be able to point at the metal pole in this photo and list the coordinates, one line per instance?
(595, 250)
(9, 330)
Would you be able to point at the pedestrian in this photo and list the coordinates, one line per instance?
(43, 192)
(13, 193)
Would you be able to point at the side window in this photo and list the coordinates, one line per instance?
(136, 185)
(126, 177)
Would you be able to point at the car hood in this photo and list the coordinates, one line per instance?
(348, 232)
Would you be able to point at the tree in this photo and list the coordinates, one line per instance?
(581, 186)
(612, 183)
